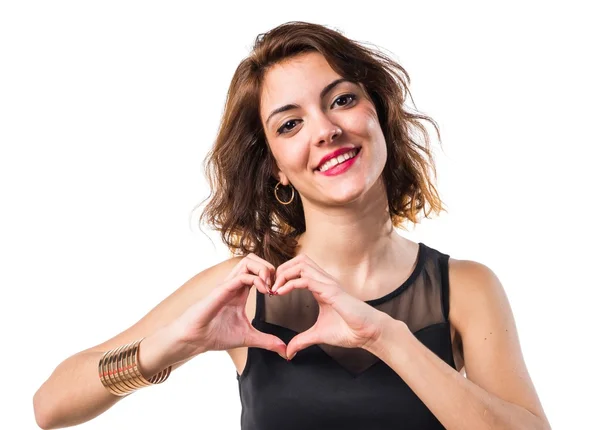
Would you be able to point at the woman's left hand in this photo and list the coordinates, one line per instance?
(343, 319)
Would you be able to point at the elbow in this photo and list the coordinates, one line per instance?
(42, 415)
(540, 424)
(545, 425)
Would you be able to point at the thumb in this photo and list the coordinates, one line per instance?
(302, 341)
(270, 342)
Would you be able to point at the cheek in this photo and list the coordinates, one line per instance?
(372, 122)
(375, 134)
(292, 156)
(363, 121)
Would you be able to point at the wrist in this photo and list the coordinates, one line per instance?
(392, 335)
(185, 344)
(157, 352)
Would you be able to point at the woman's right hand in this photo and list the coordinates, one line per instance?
(219, 322)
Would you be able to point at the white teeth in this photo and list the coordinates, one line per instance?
(339, 159)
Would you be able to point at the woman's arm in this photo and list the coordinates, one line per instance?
(73, 393)
(498, 393)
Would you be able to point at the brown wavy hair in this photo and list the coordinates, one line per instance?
(240, 165)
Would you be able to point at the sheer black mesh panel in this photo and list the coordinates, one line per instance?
(418, 302)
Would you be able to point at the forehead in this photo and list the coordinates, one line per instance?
(296, 78)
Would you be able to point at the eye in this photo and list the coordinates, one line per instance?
(288, 125)
(345, 100)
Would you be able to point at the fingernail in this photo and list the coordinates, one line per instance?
(290, 358)
(268, 284)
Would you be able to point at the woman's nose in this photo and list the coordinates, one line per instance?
(326, 130)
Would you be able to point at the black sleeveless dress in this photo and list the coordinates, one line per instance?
(327, 387)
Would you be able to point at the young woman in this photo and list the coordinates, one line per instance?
(331, 318)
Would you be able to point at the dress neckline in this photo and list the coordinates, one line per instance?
(420, 260)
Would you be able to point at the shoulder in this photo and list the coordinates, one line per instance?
(474, 289)
(472, 275)
(481, 313)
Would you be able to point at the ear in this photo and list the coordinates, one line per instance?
(283, 178)
(277, 173)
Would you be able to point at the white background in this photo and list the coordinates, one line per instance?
(107, 110)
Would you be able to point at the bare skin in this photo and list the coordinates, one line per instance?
(206, 313)
(390, 278)
(348, 234)
(348, 212)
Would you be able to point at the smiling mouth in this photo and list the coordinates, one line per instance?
(338, 160)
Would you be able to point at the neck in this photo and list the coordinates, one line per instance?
(353, 242)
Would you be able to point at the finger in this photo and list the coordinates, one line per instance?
(236, 270)
(257, 267)
(270, 342)
(325, 292)
(221, 296)
(230, 289)
(286, 265)
(261, 260)
(247, 280)
(296, 260)
(312, 263)
(269, 266)
(302, 341)
(251, 265)
(292, 272)
(299, 270)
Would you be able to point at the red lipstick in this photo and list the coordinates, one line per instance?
(342, 167)
(334, 154)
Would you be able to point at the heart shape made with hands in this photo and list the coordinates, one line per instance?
(343, 320)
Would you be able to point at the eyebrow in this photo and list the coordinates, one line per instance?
(324, 92)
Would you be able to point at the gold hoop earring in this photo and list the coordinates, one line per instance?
(277, 197)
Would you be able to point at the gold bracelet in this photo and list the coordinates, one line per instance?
(130, 360)
(124, 368)
(111, 369)
(104, 372)
(119, 372)
(139, 378)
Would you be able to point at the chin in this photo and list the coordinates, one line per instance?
(345, 194)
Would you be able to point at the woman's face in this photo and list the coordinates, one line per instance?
(308, 115)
